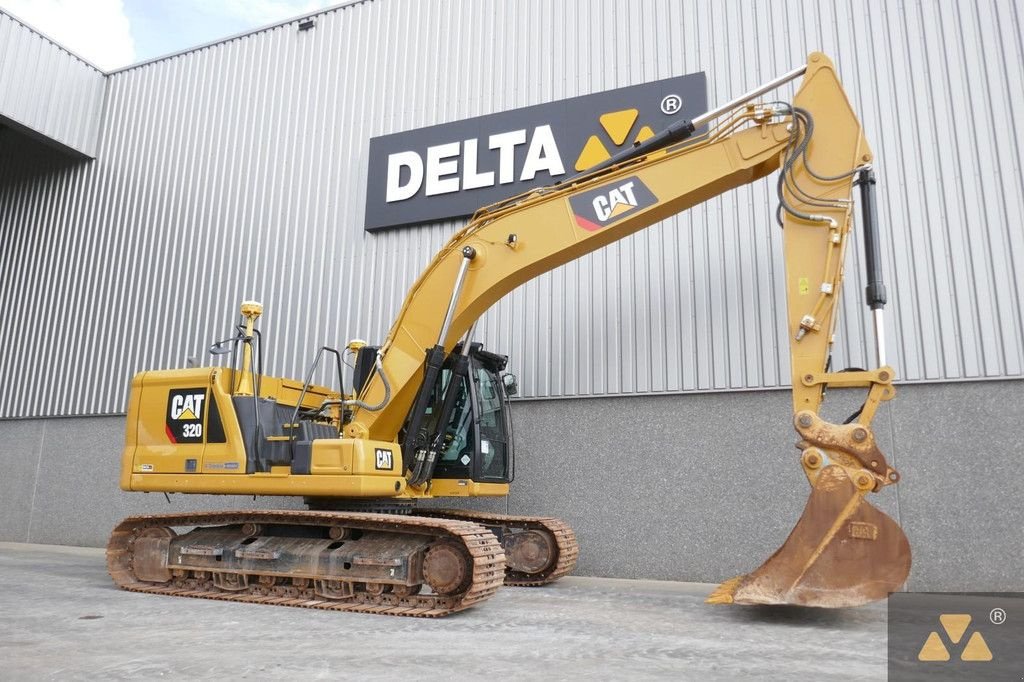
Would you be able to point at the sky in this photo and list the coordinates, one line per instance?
(116, 33)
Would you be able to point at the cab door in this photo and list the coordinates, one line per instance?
(479, 434)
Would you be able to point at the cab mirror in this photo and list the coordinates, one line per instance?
(511, 384)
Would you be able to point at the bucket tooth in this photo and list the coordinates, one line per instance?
(723, 593)
(842, 552)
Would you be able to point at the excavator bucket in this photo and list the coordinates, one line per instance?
(842, 552)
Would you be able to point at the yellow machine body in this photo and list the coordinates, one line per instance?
(199, 402)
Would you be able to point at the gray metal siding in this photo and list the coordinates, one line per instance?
(47, 89)
(239, 171)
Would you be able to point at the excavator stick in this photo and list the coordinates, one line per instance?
(842, 552)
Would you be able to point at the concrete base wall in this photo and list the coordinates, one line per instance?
(684, 487)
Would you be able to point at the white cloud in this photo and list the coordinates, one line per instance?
(97, 30)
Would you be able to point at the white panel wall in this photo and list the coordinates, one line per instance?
(47, 89)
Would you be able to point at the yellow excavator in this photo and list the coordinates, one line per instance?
(427, 414)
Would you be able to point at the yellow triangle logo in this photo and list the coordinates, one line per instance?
(976, 649)
(933, 649)
(618, 124)
(187, 414)
(619, 210)
(644, 134)
(955, 625)
(593, 153)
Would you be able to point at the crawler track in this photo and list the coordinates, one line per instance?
(487, 558)
(560, 532)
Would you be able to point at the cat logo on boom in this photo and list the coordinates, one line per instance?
(618, 201)
(608, 204)
(185, 415)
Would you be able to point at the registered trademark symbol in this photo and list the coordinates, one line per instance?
(670, 104)
(997, 616)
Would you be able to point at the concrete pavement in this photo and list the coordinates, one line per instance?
(61, 618)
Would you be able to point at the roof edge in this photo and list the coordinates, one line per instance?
(50, 40)
(236, 36)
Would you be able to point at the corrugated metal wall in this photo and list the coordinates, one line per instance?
(47, 89)
(238, 171)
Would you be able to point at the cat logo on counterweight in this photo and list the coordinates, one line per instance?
(384, 459)
(185, 415)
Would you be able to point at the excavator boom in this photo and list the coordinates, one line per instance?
(843, 551)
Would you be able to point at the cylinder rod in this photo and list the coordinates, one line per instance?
(468, 254)
(468, 339)
(746, 97)
(879, 315)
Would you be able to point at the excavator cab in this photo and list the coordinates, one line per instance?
(477, 441)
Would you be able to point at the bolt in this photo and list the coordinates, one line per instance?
(860, 434)
(884, 376)
(863, 481)
(866, 158)
(805, 421)
(336, 532)
(808, 378)
(893, 476)
(874, 464)
(815, 58)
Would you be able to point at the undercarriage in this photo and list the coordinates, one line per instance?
(429, 565)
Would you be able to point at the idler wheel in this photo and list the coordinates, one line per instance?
(149, 555)
(445, 568)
